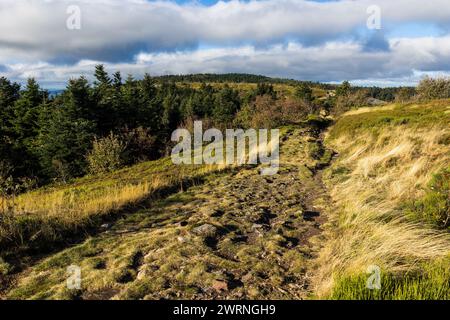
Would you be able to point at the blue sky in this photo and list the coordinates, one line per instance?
(327, 41)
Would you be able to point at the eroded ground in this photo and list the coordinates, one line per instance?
(238, 235)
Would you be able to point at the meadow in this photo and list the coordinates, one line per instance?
(55, 214)
(369, 187)
(390, 185)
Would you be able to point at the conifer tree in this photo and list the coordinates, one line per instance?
(67, 131)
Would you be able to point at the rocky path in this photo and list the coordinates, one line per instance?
(240, 235)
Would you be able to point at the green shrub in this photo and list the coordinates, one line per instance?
(141, 145)
(5, 268)
(106, 154)
(430, 88)
(315, 150)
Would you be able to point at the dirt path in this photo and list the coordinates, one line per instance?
(239, 235)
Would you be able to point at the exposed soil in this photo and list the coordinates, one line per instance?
(250, 236)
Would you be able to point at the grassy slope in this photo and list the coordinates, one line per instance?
(260, 249)
(49, 215)
(387, 158)
(53, 214)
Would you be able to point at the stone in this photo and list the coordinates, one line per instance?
(220, 285)
(205, 230)
(257, 226)
(247, 277)
(143, 274)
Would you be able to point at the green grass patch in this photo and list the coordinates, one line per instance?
(431, 283)
(433, 113)
(5, 268)
(434, 207)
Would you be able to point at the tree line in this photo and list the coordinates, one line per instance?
(112, 122)
(49, 137)
(59, 137)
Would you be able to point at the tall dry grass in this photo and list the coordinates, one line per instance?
(378, 169)
(47, 215)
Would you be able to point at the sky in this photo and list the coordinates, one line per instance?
(368, 42)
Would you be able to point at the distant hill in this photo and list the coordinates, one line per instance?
(237, 78)
(384, 94)
(55, 92)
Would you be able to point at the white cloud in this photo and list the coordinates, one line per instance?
(115, 29)
(333, 61)
(288, 38)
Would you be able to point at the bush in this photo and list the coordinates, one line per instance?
(106, 154)
(294, 111)
(405, 95)
(304, 92)
(347, 102)
(5, 268)
(430, 88)
(262, 113)
(140, 145)
(266, 112)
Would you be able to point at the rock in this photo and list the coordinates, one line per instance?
(247, 277)
(257, 226)
(253, 292)
(205, 230)
(207, 211)
(148, 256)
(143, 274)
(376, 102)
(220, 285)
(105, 226)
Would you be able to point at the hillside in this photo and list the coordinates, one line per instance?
(372, 190)
(222, 238)
(390, 187)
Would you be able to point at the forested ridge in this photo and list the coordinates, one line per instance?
(47, 137)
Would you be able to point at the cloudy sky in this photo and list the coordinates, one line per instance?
(329, 41)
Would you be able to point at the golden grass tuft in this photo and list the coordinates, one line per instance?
(48, 213)
(386, 165)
